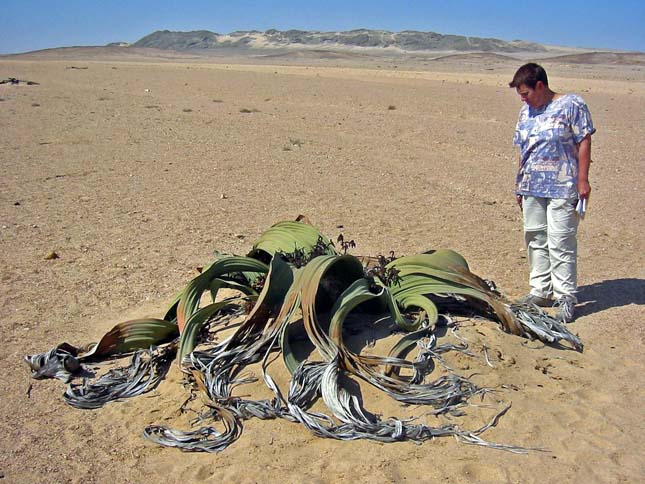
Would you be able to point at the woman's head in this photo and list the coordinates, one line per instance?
(529, 75)
(532, 85)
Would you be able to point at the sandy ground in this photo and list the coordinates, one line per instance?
(134, 170)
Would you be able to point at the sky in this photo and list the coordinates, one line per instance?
(27, 25)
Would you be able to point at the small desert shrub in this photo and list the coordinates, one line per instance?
(293, 142)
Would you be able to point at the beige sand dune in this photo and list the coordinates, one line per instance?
(479, 56)
(316, 54)
(120, 169)
(610, 58)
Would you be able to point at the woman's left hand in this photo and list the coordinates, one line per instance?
(584, 189)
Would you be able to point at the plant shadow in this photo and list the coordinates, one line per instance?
(603, 295)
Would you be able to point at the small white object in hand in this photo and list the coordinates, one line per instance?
(581, 207)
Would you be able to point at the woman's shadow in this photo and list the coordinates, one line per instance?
(610, 294)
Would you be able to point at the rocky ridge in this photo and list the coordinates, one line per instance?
(407, 40)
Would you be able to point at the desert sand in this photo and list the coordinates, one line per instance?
(134, 169)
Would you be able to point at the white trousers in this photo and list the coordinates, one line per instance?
(550, 230)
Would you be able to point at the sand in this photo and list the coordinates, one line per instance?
(133, 170)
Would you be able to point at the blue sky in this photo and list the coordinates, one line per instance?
(38, 24)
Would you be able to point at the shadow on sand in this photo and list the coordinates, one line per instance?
(610, 294)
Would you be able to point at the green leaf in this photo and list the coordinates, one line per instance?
(220, 283)
(192, 328)
(279, 280)
(131, 336)
(322, 280)
(271, 304)
(446, 272)
(228, 265)
(288, 236)
(358, 292)
(333, 274)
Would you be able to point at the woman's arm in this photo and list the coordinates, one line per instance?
(584, 160)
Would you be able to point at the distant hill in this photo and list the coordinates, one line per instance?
(407, 40)
(608, 58)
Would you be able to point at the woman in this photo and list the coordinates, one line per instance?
(554, 136)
